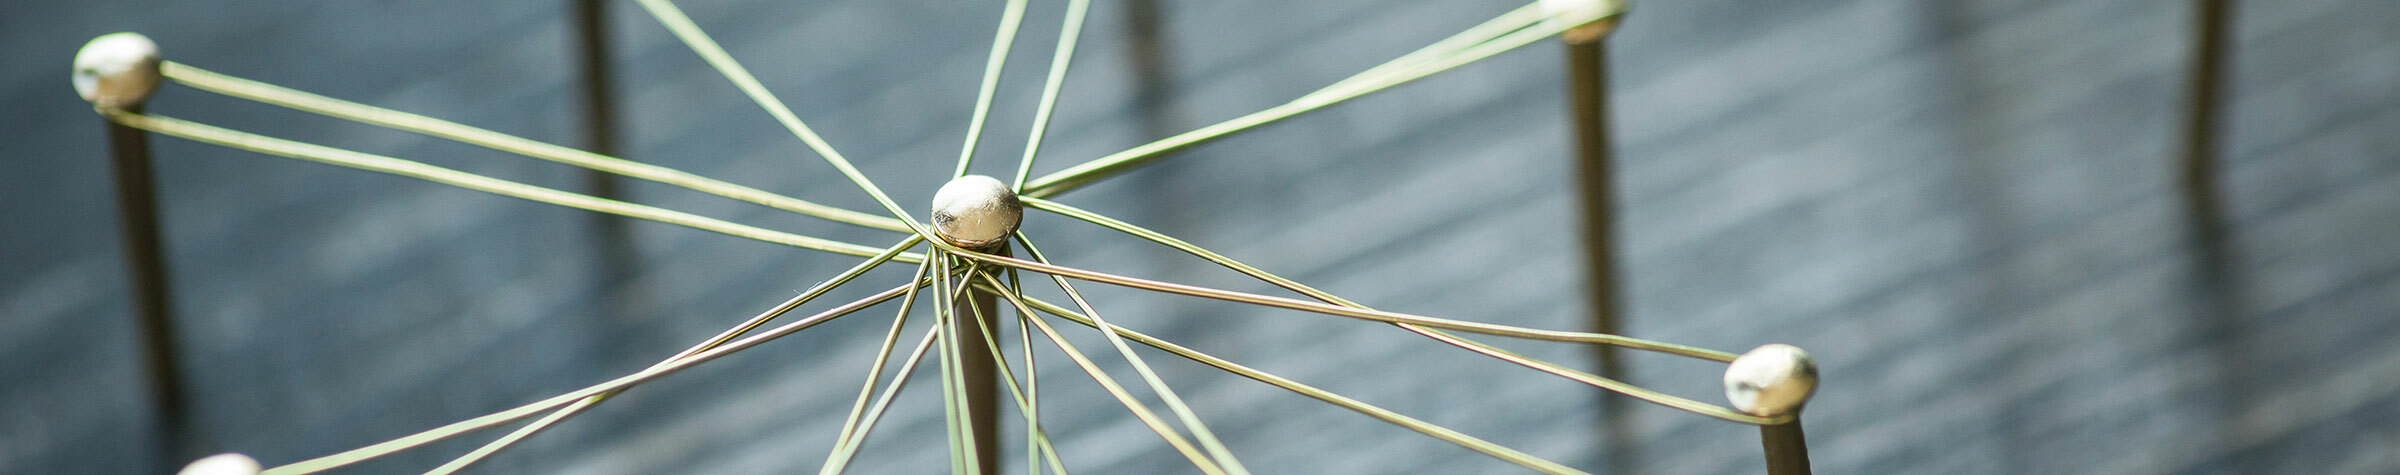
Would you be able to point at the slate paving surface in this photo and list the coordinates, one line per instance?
(1966, 210)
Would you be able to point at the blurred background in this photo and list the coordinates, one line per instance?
(1971, 212)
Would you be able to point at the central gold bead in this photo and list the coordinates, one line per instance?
(976, 211)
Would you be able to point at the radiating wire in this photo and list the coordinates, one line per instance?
(336, 108)
(1514, 20)
(728, 335)
(953, 418)
(1112, 164)
(847, 446)
(1208, 440)
(698, 40)
(378, 163)
(1445, 337)
(1010, 18)
(1067, 37)
(521, 412)
(1364, 314)
(1430, 429)
(883, 354)
(1140, 411)
(1669, 400)
(1033, 381)
(1037, 440)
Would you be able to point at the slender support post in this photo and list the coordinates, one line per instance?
(599, 89)
(2203, 104)
(1587, 86)
(612, 243)
(981, 307)
(146, 267)
(1587, 73)
(1786, 447)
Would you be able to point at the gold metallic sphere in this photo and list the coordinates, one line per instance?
(117, 70)
(1771, 381)
(976, 211)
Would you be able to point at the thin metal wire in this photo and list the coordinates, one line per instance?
(1010, 18)
(952, 394)
(1140, 411)
(1033, 381)
(1445, 337)
(1059, 60)
(820, 289)
(340, 109)
(1037, 440)
(521, 412)
(378, 163)
(883, 354)
(847, 446)
(1364, 314)
(698, 40)
(1208, 440)
(1514, 20)
(1116, 163)
(1677, 402)
(1444, 433)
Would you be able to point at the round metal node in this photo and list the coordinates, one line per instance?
(1770, 381)
(976, 211)
(222, 464)
(117, 70)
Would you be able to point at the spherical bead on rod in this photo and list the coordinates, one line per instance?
(117, 70)
(976, 211)
(222, 464)
(1770, 381)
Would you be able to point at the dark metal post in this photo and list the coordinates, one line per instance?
(2211, 22)
(146, 270)
(599, 88)
(1787, 448)
(1587, 82)
(1587, 90)
(978, 315)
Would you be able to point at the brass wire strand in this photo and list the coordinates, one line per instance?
(462, 462)
(1445, 337)
(1037, 440)
(1363, 314)
(963, 456)
(521, 412)
(1033, 381)
(1077, 10)
(698, 40)
(1208, 439)
(883, 355)
(847, 446)
(1117, 163)
(270, 94)
(1669, 400)
(1436, 431)
(1140, 411)
(378, 163)
(1010, 18)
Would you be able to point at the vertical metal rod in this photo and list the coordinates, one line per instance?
(146, 269)
(981, 307)
(1587, 73)
(2203, 105)
(599, 87)
(1786, 447)
(1587, 86)
(613, 239)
